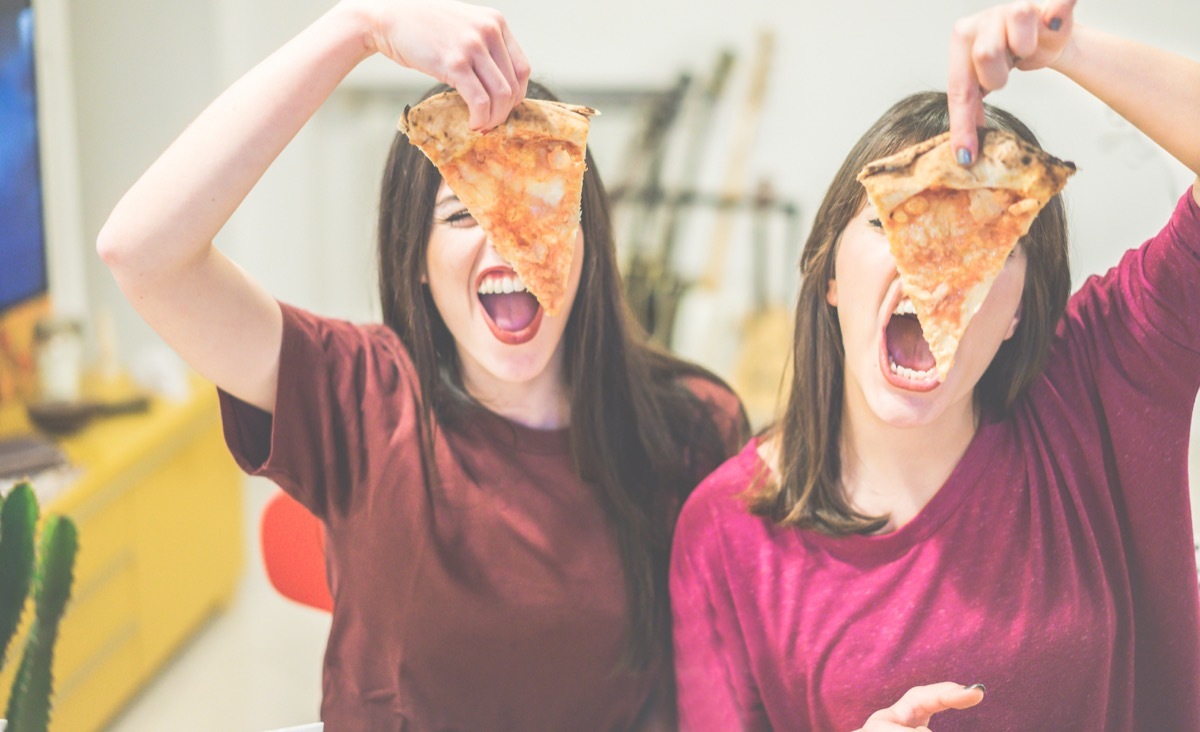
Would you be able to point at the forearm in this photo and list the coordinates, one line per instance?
(1157, 91)
(171, 215)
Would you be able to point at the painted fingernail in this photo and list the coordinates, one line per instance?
(1055, 23)
(963, 156)
(972, 687)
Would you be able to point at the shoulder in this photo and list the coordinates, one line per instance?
(359, 357)
(722, 404)
(305, 331)
(713, 391)
(717, 505)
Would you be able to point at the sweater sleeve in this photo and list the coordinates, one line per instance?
(342, 390)
(1140, 322)
(714, 683)
(1124, 379)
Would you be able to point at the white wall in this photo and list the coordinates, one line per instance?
(144, 68)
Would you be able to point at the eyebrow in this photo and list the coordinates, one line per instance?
(446, 199)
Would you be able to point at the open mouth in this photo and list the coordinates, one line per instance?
(905, 358)
(511, 312)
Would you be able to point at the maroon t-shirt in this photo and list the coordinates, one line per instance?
(494, 602)
(1055, 565)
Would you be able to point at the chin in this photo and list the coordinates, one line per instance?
(904, 408)
(904, 413)
(518, 364)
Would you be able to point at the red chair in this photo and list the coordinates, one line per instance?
(293, 551)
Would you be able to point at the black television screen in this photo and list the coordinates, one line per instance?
(22, 232)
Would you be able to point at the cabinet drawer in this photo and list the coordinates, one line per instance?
(105, 526)
(90, 699)
(100, 611)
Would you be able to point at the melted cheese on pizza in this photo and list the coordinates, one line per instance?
(949, 245)
(526, 195)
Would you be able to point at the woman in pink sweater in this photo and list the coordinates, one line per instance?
(1023, 524)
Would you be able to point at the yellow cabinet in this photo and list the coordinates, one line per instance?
(158, 504)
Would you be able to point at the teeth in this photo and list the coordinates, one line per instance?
(501, 284)
(904, 307)
(909, 373)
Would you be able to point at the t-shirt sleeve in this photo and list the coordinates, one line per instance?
(725, 410)
(714, 684)
(343, 391)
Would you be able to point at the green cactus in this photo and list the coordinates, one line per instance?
(29, 703)
(18, 524)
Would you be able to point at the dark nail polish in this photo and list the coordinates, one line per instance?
(981, 687)
(1055, 23)
(963, 156)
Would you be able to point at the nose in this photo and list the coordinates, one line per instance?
(489, 257)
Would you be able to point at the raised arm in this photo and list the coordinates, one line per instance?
(158, 240)
(1158, 92)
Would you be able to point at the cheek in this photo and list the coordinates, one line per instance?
(1011, 282)
(447, 262)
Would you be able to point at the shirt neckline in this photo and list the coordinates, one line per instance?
(517, 437)
(961, 483)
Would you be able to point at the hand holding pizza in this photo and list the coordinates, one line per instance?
(986, 46)
(469, 47)
(914, 710)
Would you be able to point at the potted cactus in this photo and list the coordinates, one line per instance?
(48, 573)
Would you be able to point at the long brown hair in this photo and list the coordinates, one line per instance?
(638, 436)
(808, 490)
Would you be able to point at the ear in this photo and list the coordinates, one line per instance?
(1012, 327)
(831, 293)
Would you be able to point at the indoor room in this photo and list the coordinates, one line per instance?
(200, 599)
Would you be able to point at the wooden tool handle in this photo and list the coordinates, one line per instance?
(734, 182)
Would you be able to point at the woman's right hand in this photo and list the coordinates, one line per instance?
(469, 47)
(914, 710)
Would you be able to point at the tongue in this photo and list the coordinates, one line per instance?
(511, 312)
(906, 343)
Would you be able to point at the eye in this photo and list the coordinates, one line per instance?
(460, 219)
(875, 223)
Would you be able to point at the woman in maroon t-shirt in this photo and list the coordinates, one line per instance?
(1023, 523)
(498, 486)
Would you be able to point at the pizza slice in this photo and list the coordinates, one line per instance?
(951, 228)
(522, 181)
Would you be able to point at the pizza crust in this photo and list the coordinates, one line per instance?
(951, 228)
(522, 181)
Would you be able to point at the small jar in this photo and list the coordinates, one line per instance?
(58, 344)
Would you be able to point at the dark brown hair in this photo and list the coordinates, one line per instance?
(638, 435)
(808, 492)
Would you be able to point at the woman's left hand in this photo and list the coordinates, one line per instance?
(918, 705)
(986, 46)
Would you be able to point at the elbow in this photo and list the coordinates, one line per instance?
(109, 245)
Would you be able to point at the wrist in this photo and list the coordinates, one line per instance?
(1068, 60)
(358, 20)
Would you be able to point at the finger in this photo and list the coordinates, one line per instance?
(520, 64)
(883, 725)
(1021, 26)
(922, 702)
(502, 58)
(499, 91)
(479, 104)
(962, 91)
(989, 54)
(1059, 16)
